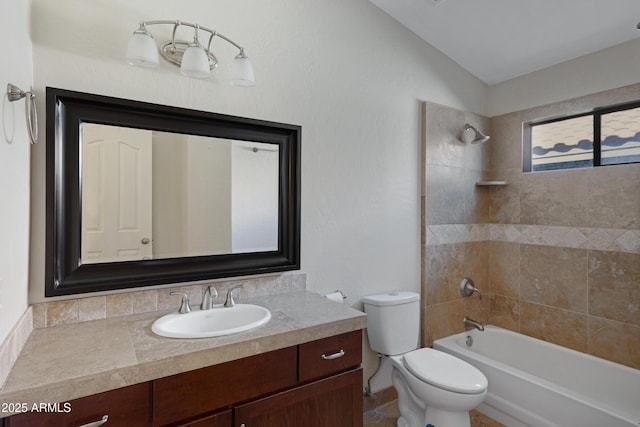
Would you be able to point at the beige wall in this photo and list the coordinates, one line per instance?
(360, 115)
(556, 254)
(15, 154)
(606, 69)
(569, 272)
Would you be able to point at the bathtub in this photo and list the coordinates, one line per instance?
(535, 383)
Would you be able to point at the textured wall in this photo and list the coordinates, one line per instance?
(349, 74)
(360, 115)
(15, 152)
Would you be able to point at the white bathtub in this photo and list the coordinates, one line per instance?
(535, 383)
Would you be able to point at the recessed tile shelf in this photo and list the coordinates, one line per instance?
(489, 183)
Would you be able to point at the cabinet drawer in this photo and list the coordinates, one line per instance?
(328, 355)
(185, 396)
(126, 407)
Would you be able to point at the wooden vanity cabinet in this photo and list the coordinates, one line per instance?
(315, 384)
(125, 407)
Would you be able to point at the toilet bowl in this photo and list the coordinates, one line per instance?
(434, 388)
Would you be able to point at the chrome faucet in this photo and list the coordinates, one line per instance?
(207, 299)
(467, 322)
(184, 302)
(229, 302)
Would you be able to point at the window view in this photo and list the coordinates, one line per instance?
(621, 137)
(607, 136)
(562, 145)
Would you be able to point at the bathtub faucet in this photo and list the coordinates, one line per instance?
(472, 323)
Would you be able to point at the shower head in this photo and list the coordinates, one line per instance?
(472, 135)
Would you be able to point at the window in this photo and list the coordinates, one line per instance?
(604, 136)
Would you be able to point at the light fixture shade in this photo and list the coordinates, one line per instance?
(195, 62)
(142, 50)
(242, 71)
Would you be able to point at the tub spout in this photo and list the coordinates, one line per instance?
(467, 322)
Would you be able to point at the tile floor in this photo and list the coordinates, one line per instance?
(386, 414)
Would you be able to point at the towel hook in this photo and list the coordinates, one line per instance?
(14, 93)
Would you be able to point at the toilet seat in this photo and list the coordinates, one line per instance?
(445, 371)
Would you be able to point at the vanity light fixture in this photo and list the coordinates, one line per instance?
(193, 58)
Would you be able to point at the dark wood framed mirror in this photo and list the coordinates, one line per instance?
(141, 194)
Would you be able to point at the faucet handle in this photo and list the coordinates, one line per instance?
(207, 299)
(229, 302)
(468, 288)
(184, 303)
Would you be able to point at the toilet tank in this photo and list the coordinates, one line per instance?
(393, 321)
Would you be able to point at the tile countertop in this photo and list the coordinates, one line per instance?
(66, 362)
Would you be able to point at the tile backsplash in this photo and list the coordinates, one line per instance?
(142, 301)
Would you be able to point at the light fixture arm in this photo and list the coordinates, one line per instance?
(197, 27)
(173, 35)
(210, 39)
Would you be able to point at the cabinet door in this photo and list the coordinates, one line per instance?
(194, 393)
(332, 402)
(125, 407)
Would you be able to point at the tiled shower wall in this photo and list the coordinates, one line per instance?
(455, 208)
(556, 254)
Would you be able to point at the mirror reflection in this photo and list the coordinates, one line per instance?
(152, 195)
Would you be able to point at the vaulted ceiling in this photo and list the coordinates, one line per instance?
(497, 40)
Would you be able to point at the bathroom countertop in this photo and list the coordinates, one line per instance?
(66, 362)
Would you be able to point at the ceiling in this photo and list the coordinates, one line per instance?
(497, 40)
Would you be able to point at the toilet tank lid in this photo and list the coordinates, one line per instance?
(391, 298)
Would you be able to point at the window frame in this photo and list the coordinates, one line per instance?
(596, 113)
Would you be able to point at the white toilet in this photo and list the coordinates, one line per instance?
(434, 388)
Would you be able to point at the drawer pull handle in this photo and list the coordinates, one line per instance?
(334, 355)
(97, 423)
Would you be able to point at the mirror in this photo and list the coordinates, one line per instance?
(150, 195)
(142, 194)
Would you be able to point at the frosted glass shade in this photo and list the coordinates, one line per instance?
(195, 62)
(142, 50)
(242, 71)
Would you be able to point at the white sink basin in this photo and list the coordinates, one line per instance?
(211, 323)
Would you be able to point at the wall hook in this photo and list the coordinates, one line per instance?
(14, 93)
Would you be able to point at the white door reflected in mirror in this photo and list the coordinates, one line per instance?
(175, 195)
